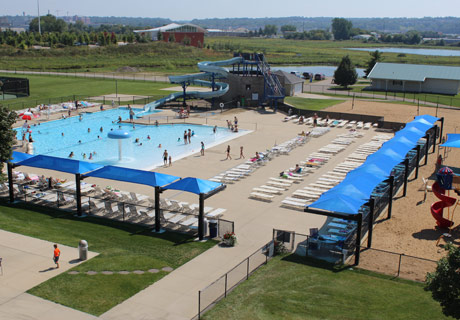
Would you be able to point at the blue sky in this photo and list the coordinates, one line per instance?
(188, 9)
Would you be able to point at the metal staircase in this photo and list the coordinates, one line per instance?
(273, 90)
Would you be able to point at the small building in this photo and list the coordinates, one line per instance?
(181, 33)
(292, 84)
(415, 78)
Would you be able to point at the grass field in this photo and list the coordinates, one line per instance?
(294, 288)
(169, 58)
(49, 89)
(121, 247)
(311, 104)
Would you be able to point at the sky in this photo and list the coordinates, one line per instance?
(199, 9)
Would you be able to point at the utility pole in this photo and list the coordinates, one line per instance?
(39, 27)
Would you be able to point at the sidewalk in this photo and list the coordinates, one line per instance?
(27, 262)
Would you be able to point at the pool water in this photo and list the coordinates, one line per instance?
(61, 137)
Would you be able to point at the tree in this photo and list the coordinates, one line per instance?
(48, 23)
(172, 37)
(341, 28)
(7, 134)
(376, 56)
(159, 36)
(288, 28)
(270, 30)
(444, 283)
(345, 75)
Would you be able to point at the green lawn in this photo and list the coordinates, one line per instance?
(311, 104)
(293, 288)
(121, 247)
(49, 89)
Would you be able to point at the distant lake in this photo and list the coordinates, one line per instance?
(423, 52)
(328, 71)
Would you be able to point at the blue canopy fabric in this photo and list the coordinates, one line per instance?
(453, 140)
(357, 187)
(19, 156)
(153, 179)
(59, 164)
(428, 118)
(194, 185)
(338, 203)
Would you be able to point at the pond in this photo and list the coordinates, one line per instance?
(424, 52)
(328, 71)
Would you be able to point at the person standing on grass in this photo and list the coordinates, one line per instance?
(165, 157)
(202, 148)
(241, 153)
(56, 255)
(228, 153)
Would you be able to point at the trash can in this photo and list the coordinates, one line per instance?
(83, 250)
(212, 228)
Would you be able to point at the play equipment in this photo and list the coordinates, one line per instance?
(437, 208)
(251, 64)
(212, 70)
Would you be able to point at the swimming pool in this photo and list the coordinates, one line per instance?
(61, 137)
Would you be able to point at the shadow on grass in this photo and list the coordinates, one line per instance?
(315, 263)
(174, 237)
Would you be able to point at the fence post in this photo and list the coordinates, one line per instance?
(399, 265)
(199, 306)
(225, 294)
(247, 270)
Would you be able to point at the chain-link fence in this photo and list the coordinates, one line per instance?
(396, 264)
(416, 98)
(219, 289)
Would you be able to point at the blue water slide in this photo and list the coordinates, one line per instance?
(210, 70)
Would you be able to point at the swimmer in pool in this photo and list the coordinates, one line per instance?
(71, 154)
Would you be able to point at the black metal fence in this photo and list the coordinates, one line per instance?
(126, 210)
(219, 289)
(416, 98)
(17, 87)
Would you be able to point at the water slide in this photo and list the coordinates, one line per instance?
(437, 208)
(209, 70)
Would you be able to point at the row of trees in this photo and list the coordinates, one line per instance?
(309, 35)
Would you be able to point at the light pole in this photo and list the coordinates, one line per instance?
(38, 8)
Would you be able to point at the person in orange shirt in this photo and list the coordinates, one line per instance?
(57, 254)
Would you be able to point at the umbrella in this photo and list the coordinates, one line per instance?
(26, 115)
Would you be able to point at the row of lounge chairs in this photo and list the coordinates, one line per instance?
(55, 108)
(243, 170)
(324, 122)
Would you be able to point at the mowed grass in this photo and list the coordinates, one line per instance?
(122, 247)
(293, 288)
(311, 104)
(49, 89)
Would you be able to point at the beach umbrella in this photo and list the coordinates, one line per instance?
(26, 115)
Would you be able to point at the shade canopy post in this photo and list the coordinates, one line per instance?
(157, 210)
(427, 137)
(201, 218)
(441, 129)
(417, 165)
(434, 138)
(371, 221)
(10, 181)
(391, 182)
(359, 217)
(78, 193)
(406, 175)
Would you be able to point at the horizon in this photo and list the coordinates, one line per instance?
(208, 10)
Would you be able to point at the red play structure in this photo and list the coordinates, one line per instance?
(437, 208)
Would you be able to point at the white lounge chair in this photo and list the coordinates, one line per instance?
(261, 196)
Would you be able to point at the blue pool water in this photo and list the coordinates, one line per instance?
(61, 137)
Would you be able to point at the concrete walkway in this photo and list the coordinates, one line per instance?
(27, 262)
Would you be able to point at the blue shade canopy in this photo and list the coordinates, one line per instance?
(338, 203)
(453, 140)
(153, 179)
(59, 164)
(403, 140)
(428, 118)
(194, 185)
(20, 156)
(422, 127)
